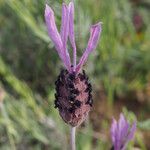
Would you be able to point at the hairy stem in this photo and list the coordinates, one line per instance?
(73, 138)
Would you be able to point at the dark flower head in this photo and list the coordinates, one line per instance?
(121, 133)
(73, 90)
(72, 98)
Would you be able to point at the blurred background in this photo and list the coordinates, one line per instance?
(119, 70)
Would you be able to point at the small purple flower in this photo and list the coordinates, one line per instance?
(67, 30)
(121, 133)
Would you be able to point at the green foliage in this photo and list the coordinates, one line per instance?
(119, 67)
(145, 124)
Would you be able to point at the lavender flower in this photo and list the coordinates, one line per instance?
(73, 90)
(121, 133)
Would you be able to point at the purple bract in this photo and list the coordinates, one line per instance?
(67, 30)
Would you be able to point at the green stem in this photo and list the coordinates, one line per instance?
(73, 138)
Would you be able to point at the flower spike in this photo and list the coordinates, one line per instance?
(121, 133)
(73, 96)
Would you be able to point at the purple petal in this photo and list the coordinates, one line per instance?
(64, 24)
(129, 136)
(64, 33)
(53, 33)
(122, 126)
(122, 130)
(113, 129)
(132, 131)
(52, 29)
(71, 32)
(92, 43)
(122, 119)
